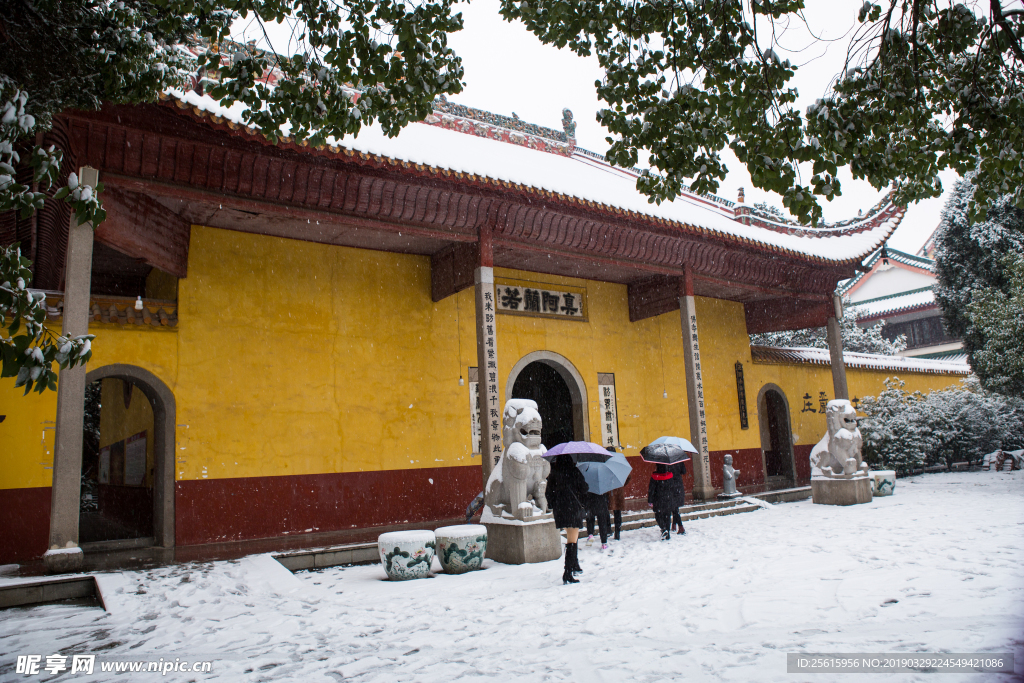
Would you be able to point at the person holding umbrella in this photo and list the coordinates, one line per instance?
(665, 492)
(678, 470)
(617, 500)
(566, 490)
(597, 510)
(661, 496)
(565, 493)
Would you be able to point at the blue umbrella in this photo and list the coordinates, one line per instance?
(675, 441)
(603, 477)
(581, 451)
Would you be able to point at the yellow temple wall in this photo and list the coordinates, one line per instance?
(293, 358)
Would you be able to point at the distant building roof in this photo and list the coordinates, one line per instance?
(901, 257)
(895, 304)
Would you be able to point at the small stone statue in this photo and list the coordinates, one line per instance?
(729, 475)
(521, 475)
(838, 454)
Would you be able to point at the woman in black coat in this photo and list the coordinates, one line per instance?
(565, 493)
(663, 496)
(678, 470)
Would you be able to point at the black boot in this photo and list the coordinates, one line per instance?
(576, 559)
(567, 577)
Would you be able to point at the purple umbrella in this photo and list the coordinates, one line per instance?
(581, 451)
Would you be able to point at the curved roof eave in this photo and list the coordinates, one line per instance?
(485, 161)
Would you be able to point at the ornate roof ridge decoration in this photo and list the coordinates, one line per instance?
(903, 257)
(771, 355)
(869, 220)
(118, 310)
(567, 135)
(523, 135)
(887, 213)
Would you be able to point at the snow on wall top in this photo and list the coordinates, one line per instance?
(896, 303)
(867, 361)
(443, 144)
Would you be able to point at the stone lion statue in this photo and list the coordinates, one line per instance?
(519, 480)
(839, 451)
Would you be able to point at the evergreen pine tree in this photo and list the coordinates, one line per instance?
(975, 265)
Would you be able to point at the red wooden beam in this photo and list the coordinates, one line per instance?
(143, 228)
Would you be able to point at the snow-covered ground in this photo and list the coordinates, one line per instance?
(939, 567)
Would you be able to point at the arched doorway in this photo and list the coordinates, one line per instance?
(127, 459)
(561, 396)
(776, 435)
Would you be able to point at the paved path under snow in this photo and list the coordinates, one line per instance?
(937, 567)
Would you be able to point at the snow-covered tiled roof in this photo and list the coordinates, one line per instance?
(583, 178)
(867, 361)
(955, 356)
(906, 259)
(894, 304)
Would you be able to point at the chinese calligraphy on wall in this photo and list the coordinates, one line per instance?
(474, 409)
(741, 395)
(702, 418)
(609, 412)
(489, 379)
(525, 298)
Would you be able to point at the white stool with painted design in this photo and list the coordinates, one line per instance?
(461, 548)
(406, 554)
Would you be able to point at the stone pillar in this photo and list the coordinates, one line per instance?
(835, 348)
(66, 491)
(702, 488)
(487, 358)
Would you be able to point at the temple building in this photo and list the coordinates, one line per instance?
(292, 343)
(898, 289)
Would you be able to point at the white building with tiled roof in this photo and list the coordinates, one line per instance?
(898, 289)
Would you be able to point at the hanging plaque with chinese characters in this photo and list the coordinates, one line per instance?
(609, 411)
(474, 409)
(517, 297)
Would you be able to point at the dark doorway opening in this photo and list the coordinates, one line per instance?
(778, 461)
(118, 463)
(542, 383)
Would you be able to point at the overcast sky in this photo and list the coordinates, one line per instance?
(509, 70)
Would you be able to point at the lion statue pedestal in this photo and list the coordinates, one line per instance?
(519, 527)
(839, 476)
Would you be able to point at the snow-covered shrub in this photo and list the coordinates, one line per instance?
(904, 431)
(855, 338)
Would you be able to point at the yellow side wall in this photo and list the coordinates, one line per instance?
(299, 358)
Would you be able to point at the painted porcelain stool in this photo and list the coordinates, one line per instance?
(406, 554)
(461, 548)
(885, 482)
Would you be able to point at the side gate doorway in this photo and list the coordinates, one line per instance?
(127, 460)
(776, 436)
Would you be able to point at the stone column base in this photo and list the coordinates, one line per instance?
(523, 543)
(841, 491)
(63, 561)
(708, 493)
